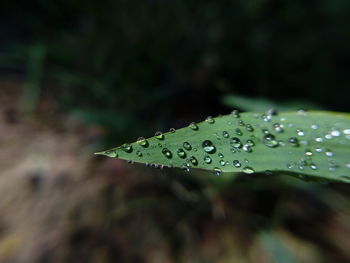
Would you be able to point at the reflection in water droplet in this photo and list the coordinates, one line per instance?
(210, 120)
(236, 142)
(208, 147)
(235, 114)
(236, 163)
(167, 153)
(221, 155)
(139, 154)
(181, 153)
(225, 134)
(278, 127)
(193, 126)
(300, 132)
(294, 141)
(217, 171)
(313, 166)
(247, 148)
(249, 128)
(187, 146)
(270, 141)
(126, 148)
(250, 143)
(222, 163)
(207, 159)
(142, 142)
(159, 135)
(193, 160)
(248, 170)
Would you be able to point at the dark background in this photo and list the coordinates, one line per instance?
(78, 76)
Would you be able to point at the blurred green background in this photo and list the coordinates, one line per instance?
(80, 76)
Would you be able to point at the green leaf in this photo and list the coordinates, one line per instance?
(308, 144)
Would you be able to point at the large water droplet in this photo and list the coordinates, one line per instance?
(126, 148)
(142, 142)
(159, 135)
(217, 171)
(210, 120)
(193, 126)
(270, 141)
(187, 146)
(236, 143)
(208, 147)
(207, 159)
(294, 141)
(181, 153)
(248, 170)
(167, 153)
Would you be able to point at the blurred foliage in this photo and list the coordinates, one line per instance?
(131, 65)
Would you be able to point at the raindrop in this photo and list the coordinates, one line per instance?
(347, 165)
(208, 147)
(236, 143)
(300, 132)
(193, 126)
(346, 131)
(272, 112)
(186, 167)
(241, 123)
(314, 127)
(278, 127)
(319, 139)
(167, 153)
(143, 142)
(221, 155)
(289, 165)
(159, 135)
(139, 154)
(187, 146)
(266, 117)
(210, 120)
(235, 114)
(313, 166)
(217, 171)
(270, 141)
(247, 148)
(127, 148)
(329, 153)
(236, 163)
(318, 149)
(112, 154)
(335, 133)
(207, 159)
(172, 130)
(238, 132)
(328, 136)
(193, 160)
(225, 134)
(249, 128)
(308, 152)
(250, 143)
(222, 163)
(248, 170)
(294, 141)
(181, 153)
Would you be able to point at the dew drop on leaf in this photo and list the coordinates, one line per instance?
(127, 148)
(210, 120)
(112, 154)
(187, 146)
(270, 141)
(159, 135)
(142, 142)
(294, 141)
(278, 127)
(207, 159)
(249, 128)
(193, 160)
(208, 147)
(181, 153)
(193, 126)
(238, 132)
(167, 153)
(248, 170)
(235, 114)
(217, 171)
(172, 130)
(247, 148)
(236, 163)
(225, 134)
(221, 155)
(139, 153)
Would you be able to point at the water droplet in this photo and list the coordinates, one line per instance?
(172, 130)
(130, 161)
(222, 163)
(217, 171)
(235, 114)
(181, 153)
(221, 155)
(335, 133)
(159, 135)
(346, 131)
(272, 112)
(314, 126)
(112, 154)
(313, 166)
(294, 141)
(126, 148)
(193, 160)
(308, 152)
(225, 134)
(193, 126)
(142, 142)
(238, 132)
(186, 167)
(318, 149)
(207, 159)
(248, 170)
(319, 139)
(278, 127)
(241, 123)
(347, 165)
(249, 128)
(289, 165)
(270, 141)
(210, 120)
(300, 132)
(250, 143)
(236, 142)
(139, 154)
(187, 146)
(328, 136)
(167, 153)
(236, 163)
(208, 147)
(247, 148)
(265, 131)
(266, 117)
(329, 153)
